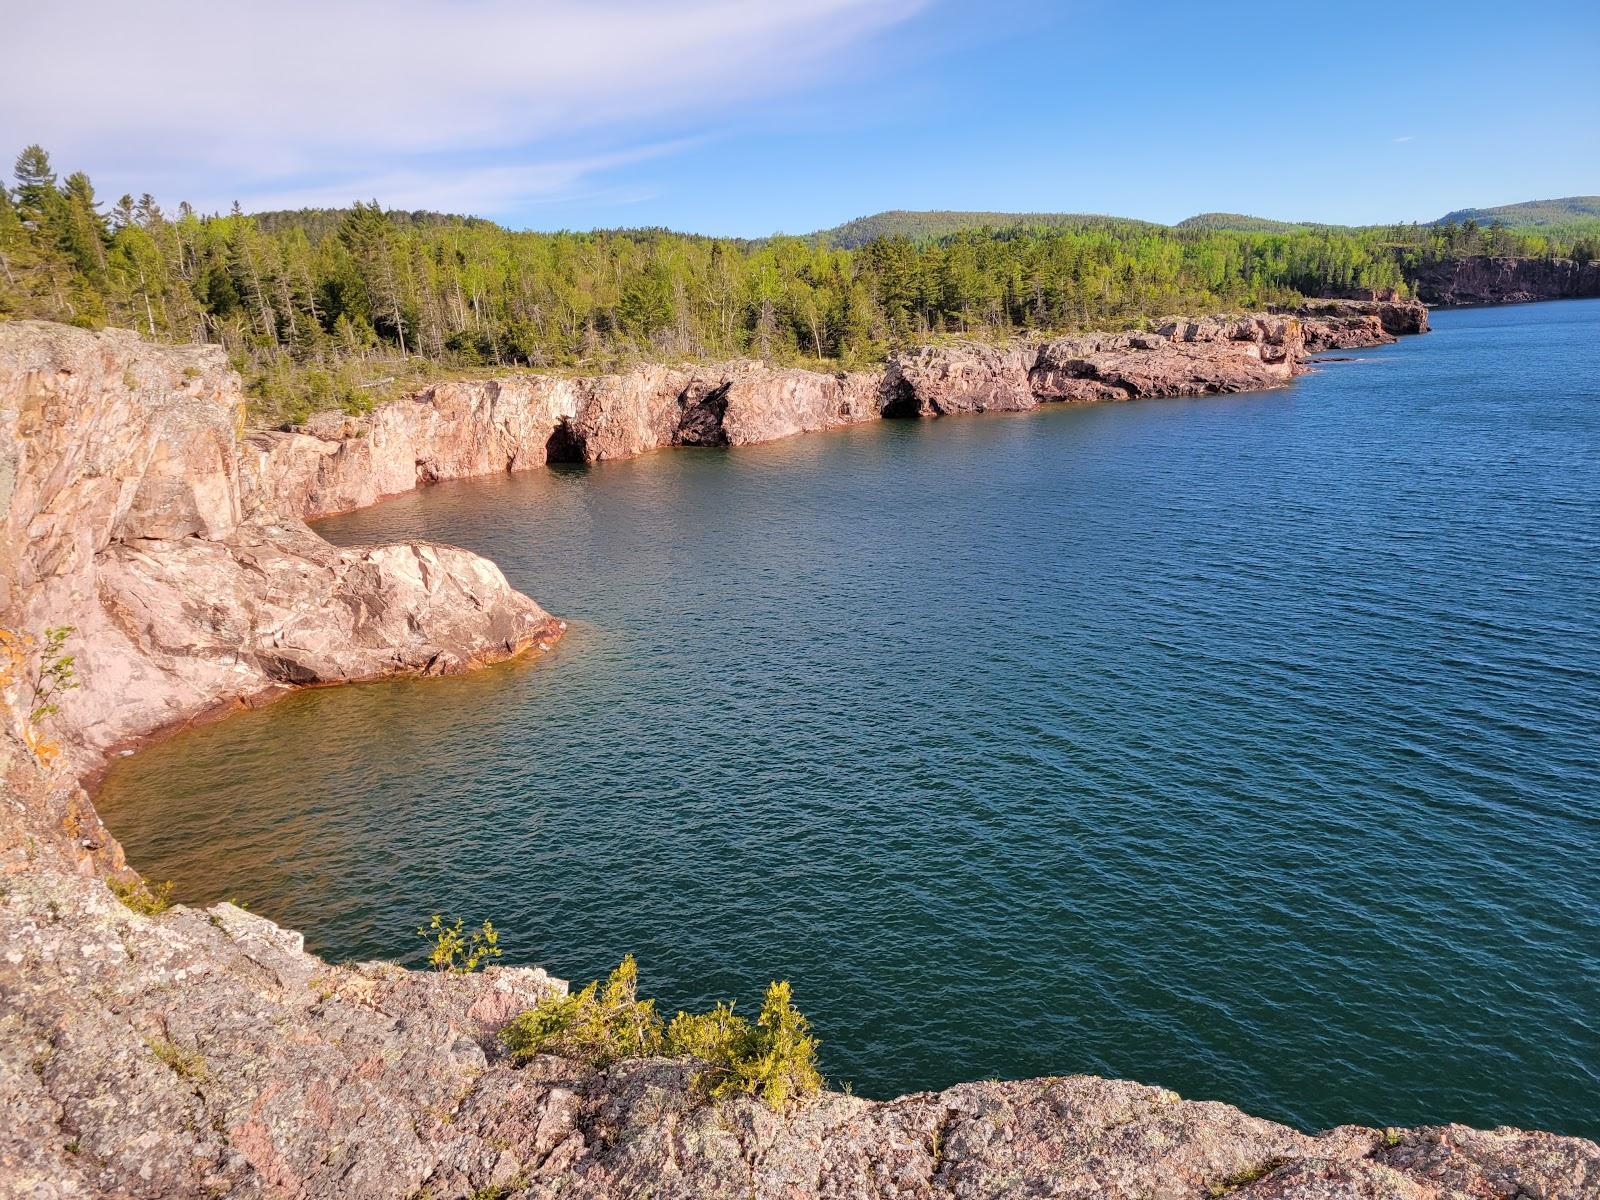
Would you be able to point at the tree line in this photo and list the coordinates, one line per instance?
(323, 307)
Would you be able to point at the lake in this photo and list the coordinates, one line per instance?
(1245, 745)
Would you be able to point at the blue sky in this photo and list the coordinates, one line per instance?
(749, 118)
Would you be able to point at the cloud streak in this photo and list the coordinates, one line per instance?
(420, 101)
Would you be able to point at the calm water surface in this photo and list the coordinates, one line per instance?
(1249, 746)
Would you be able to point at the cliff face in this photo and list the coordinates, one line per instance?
(203, 1053)
(1484, 280)
(335, 463)
(453, 430)
(128, 512)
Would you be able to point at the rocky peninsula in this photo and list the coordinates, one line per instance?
(203, 1053)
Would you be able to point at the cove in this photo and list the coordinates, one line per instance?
(1246, 745)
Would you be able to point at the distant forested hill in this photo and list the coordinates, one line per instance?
(1535, 213)
(318, 223)
(918, 226)
(1240, 223)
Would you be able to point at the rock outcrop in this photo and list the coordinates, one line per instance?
(1204, 356)
(128, 512)
(1486, 280)
(204, 1053)
(334, 463)
(1353, 324)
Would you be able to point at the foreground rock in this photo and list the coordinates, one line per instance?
(127, 512)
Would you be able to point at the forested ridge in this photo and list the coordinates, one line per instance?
(327, 307)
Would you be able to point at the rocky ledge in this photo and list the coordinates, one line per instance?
(335, 463)
(203, 1053)
(1490, 280)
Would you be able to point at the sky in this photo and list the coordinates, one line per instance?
(751, 118)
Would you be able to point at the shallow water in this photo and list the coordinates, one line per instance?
(1248, 745)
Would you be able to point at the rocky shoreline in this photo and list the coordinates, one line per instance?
(336, 463)
(1481, 279)
(204, 1053)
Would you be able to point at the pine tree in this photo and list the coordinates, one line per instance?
(36, 193)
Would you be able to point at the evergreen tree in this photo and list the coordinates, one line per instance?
(315, 305)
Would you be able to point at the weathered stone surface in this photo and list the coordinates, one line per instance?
(964, 378)
(1180, 358)
(335, 463)
(124, 517)
(192, 625)
(747, 403)
(1486, 280)
(1343, 324)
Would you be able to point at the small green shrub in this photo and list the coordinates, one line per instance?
(596, 1026)
(141, 897)
(186, 1064)
(43, 666)
(774, 1059)
(457, 951)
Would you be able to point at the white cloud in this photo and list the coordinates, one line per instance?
(487, 188)
(405, 99)
(1407, 138)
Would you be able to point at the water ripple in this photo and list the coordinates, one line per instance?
(1248, 745)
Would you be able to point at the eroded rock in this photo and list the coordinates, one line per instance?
(134, 515)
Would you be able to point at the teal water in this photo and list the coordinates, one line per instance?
(1245, 745)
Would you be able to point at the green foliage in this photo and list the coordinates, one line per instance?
(54, 672)
(141, 897)
(920, 226)
(1565, 211)
(340, 308)
(42, 666)
(457, 950)
(1240, 223)
(598, 1025)
(774, 1059)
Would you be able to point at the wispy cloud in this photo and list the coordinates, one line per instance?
(473, 105)
(1407, 138)
(487, 188)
